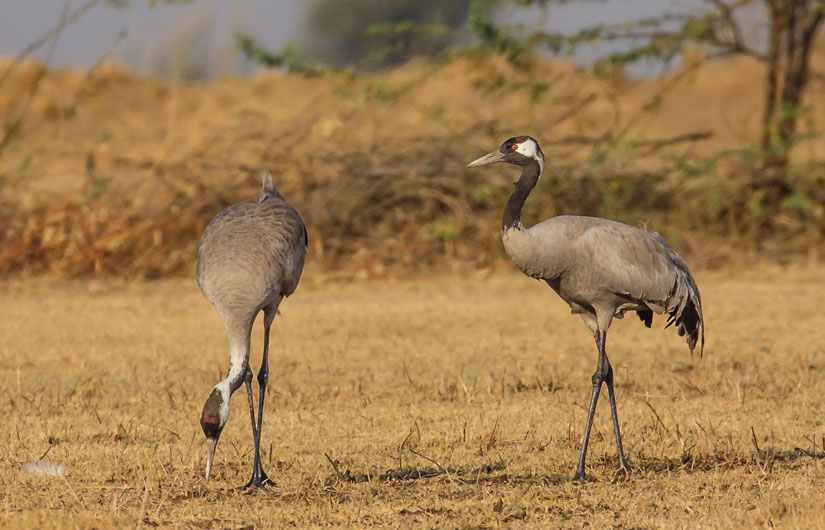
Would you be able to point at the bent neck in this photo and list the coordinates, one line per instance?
(216, 409)
(238, 364)
(530, 173)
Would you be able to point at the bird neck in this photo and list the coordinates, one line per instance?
(530, 174)
(216, 409)
(218, 406)
(238, 364)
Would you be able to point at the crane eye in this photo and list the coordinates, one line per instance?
(514, 147)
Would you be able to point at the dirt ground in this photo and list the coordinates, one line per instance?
(444, 402)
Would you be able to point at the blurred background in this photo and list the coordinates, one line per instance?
(126, 125)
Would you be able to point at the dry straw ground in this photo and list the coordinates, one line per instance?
(448, 402)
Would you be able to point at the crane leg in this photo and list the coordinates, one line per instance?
(603, 374)
(248, 383)
(594, 399)
(259, 477)
(623, 467)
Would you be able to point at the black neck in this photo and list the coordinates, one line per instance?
(530, 173)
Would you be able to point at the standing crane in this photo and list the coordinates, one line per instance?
(601, 268)
(251, 256)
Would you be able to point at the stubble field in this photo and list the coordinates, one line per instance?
(442, 402)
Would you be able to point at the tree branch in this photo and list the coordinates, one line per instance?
(738, 46)
(655, 145)
(64, 21)
(727, 14)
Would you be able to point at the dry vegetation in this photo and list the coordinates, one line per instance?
(111, 174)
(447, 402)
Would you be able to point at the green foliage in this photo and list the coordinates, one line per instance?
(290, 57)
(498, 40)
(376, 33)
(661, 38)
(406, 29)
(444, 229)
(366, 34)
(482, 194)
(797, 201)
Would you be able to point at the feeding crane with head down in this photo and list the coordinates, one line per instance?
(251, 256)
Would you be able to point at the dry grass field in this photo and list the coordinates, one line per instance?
(445, 402)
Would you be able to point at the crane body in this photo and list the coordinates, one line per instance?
(600, 268)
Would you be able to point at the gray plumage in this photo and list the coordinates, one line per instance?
(251, 256)
(601, 268)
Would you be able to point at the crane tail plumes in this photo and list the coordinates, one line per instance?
(685, 307)
(268, 188)
(688, 319)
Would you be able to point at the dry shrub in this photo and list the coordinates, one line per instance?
(124, 183)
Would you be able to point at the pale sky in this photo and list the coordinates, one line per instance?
(210, 25)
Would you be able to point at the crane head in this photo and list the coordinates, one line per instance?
(519, 150)
(213, 418)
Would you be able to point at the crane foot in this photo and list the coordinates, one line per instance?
(258, 481)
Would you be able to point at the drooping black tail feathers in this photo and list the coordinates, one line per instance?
(268, 188)
(687, 312)
(646, 316)
(685, 303)
(689, 323)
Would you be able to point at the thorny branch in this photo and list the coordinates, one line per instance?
(52, 33)
(14, 124)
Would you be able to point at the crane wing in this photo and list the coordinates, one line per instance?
(641, 265)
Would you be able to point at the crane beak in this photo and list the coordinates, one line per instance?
(211, 444)
(495, 156)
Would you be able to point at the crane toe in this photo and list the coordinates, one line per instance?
(623, 473)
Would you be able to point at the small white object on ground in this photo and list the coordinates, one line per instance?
(44, 467)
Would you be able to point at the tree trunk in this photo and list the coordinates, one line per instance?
(806, 25)
(773, 75)
(793, 27)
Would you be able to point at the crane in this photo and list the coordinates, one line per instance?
(600, 268)
(251, 256)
